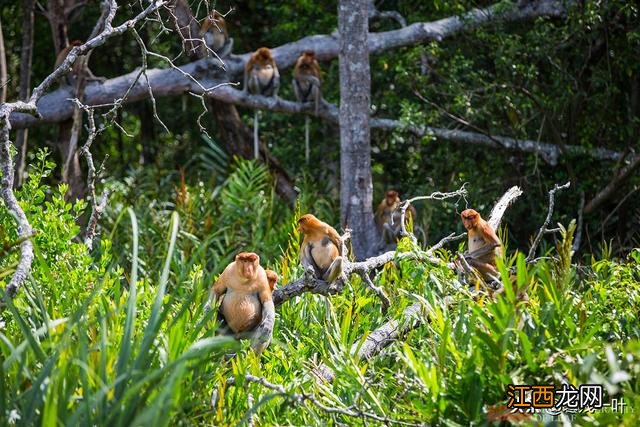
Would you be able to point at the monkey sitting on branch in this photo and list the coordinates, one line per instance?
(388, 217)
(306, 87)
(261, 77)
(215, 35)
(321, 248)
(244, 288)
(484, 246)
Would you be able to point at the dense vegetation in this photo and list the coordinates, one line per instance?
(118, 335)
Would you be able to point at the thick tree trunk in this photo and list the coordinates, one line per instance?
(26, 59)
(356, 189)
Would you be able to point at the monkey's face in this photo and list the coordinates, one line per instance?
(469, 218)
(392, 197)
(248, 263)
(306, 222)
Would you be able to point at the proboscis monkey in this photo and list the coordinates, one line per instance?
(306, 87)
(387, 217)
(261, 77)
(215, 35)
(244, 289)
(484, 244)
(321, 248)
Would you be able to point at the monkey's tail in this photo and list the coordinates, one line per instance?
(256, 150)
(306, 139)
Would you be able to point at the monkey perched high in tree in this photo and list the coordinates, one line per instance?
(215, 35)
(306, 86)
(321, 248)
(261, 77)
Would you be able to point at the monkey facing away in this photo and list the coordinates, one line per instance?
(246, 304)
(306, 87)
(387, 217)
(321, 248)
(79, 68)
(215, 35)
(261, 77)
(484, 244)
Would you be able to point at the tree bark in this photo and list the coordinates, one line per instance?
(26, 59)
(3, 68)
(356, 188)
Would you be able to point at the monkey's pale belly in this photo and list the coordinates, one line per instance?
(241, 311)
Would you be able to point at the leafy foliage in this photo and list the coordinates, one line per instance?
(124, 340)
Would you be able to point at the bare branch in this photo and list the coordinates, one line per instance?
(501, 206)
(302, 398)
(378, 291)
(7, 109)
(545, 225)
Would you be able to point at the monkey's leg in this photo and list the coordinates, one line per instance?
(306, 139)
(256, 151)
(334, 270)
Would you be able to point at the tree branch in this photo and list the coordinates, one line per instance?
(544, 229)
(8, 109)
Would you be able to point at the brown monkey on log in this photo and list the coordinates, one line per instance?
(272, 278)
(387, 217)
(215, 35)
(246, 304)
(321, 248)
(79, 68)
(484, 244)
(306, 86)
(261, 77)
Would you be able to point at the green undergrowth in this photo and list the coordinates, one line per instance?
(118, 335)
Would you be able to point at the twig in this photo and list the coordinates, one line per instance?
(545, 225)
(461, 192)
(302, 398)
(97, 208)
(378, 291)
(6, 162)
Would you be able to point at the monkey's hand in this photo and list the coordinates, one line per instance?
(264, 331)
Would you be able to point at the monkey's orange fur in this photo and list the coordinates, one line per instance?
(388, 212)
(215, 34)
(484, 244)
(261, 74)
(245, 286)
(306, 79)
(321, 248)
(272, 277)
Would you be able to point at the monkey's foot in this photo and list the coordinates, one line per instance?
(335, 269)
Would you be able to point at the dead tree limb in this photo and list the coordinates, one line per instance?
(352, 411)
(544, 229)
(410, 318)
(7, 109)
